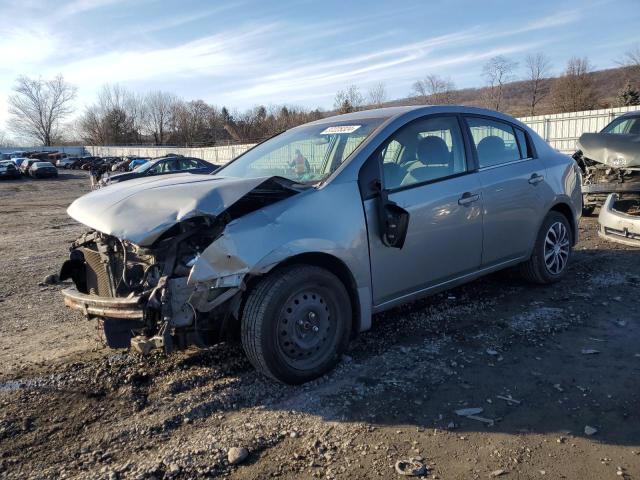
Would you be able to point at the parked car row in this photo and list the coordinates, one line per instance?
(49, 156)
(160, 166)
(32, 167)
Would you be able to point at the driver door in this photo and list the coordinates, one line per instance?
(426, 173)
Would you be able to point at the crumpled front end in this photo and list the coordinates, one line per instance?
(140, 289)
(146, 293)
(610, 163)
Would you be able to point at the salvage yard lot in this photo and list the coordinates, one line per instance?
(71, 408)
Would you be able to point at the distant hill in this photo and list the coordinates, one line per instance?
(605, 83)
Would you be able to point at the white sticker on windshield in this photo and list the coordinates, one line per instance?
(340, 129)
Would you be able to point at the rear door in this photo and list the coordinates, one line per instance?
(425, 172)
(513, 183)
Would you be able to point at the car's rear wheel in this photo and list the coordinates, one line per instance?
(296, 323)
(551, 254)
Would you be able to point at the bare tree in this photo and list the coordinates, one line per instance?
(434, 90)
(631, 60)
(497, 71)
(38, 107)
(573, 91)
(377, 94)
(116, 118)
(537, 68)
(349, 100)
(632, 57)
(195, 123)
(159, 106)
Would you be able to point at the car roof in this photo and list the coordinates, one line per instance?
(629, 115)
(388, 113)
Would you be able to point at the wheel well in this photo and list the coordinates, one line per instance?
(565, 210)
(340, 270)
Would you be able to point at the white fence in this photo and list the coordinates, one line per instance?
(70, 150)
(215, 155)
(561, 130)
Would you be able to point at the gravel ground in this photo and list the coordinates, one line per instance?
(555, 370)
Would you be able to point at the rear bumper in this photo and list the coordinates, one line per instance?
(618, 226)
(95, 306)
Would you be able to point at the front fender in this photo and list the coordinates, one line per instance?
(329, 221)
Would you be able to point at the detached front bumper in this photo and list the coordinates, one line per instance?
(618, 226)
(606, 188)
(94, 306)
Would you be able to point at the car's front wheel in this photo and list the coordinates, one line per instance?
(551, 254)
(296, 323)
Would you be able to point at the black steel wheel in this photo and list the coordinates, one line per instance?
(296, 323)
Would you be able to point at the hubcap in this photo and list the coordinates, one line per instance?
(305, 329)
(556, 248)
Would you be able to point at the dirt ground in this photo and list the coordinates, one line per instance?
(70, 408)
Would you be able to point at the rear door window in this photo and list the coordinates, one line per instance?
(628, 126)
(188, 164)
(494, 141)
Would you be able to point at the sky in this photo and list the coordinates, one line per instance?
(243, 53)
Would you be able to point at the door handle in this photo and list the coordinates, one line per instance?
(535, 179)
(468, 198)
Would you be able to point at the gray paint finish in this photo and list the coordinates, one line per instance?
(447, 242)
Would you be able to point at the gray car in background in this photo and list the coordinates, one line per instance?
(295, 245)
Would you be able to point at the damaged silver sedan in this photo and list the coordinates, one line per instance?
(295, 245)
(610, 161)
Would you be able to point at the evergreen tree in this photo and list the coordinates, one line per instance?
(628, 96)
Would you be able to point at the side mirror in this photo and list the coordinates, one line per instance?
(393, 220)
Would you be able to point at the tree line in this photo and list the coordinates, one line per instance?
(38, 108)
(573, 90)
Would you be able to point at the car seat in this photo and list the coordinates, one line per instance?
(434, 161)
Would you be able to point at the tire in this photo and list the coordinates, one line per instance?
(296, 323)
(546, 271)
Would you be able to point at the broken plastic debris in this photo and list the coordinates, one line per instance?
(508, 399)
(488, 421)
(411, 468)
(589, 351)
(465, 412)
(588, 430)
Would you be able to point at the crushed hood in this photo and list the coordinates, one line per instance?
(141, 210)
(614, 150)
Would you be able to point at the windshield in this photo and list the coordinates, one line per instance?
(306, 154)
(144, 167)
(628, 125)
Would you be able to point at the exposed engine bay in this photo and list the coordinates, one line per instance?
(145, 295)
(610, 163)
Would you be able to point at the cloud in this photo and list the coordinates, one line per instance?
(221, 54)
(25, 46)
(82, 6)
(245, 61)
